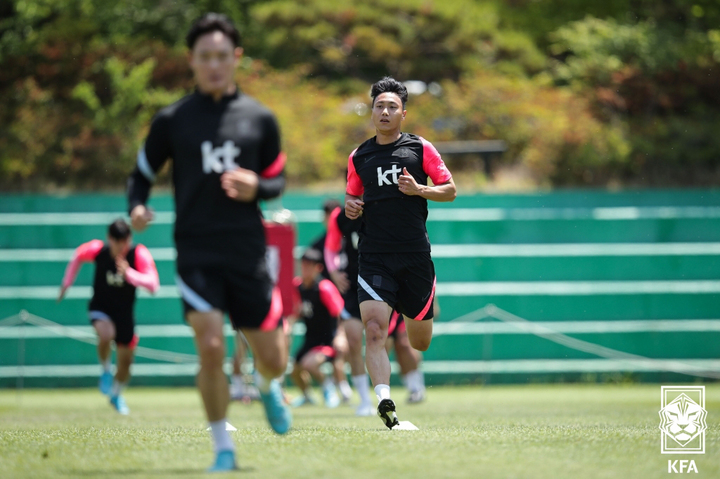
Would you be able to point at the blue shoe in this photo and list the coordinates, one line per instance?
(278, 414)
(224, 461)
(118, 402)
(331, 397)
(303, 401)
(106, 382)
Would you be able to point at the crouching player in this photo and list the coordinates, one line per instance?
(120, 267)
(320, 308)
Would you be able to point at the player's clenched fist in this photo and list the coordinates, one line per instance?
(240, 184)
(353, 208)
(140, 217)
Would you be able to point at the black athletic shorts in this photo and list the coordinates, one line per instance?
(124, 328)
(250, 299)
(352, 306)
(316, 345)
(405, 281)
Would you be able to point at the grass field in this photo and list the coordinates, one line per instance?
(555, 431)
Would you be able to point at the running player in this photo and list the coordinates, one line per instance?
(387, 185)
(319, 308)
(120, 268)
(226, 154)
(341, 257)
(241, 388)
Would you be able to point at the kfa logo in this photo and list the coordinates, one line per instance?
(383, 175)
(114, 279)
(682, 466)
(219, 159)
(682, 420)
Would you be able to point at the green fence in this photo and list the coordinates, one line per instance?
(556, 286)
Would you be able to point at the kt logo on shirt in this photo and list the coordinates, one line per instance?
(219, 159)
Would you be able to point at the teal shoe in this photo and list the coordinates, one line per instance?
(106, 382)
(224, 461)
(118, 402)
(331, 397)
(277, 412)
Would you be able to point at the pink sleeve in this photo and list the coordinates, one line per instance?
(84, 253)
(145, 274)
(433, 164)
(354, 183)
(333, 242)
(330, 296)
(275, 168)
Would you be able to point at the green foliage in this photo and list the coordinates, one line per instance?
(622, 91)
(405, 38)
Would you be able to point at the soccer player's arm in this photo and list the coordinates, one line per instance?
(331, 251)
(150, 159)
(84, 253)
(443, 188)
(271, 181)
(145, 275)
(354, 191)
(331, 298)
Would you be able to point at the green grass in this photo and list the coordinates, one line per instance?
(556, 431)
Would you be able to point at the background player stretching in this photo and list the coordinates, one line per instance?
(226, 154)
(387, 184)
(120, 267)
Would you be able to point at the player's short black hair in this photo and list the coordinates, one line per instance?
(389, 85)
(212, 22)
(313, 255)
(119, 229)
(330, 204)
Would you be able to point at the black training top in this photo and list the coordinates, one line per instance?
(393, 222)
(205, 138)
(111, 293)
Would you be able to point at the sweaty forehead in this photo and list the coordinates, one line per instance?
(388, 97)
(213, 41)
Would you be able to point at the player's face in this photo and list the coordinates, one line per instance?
(387, 112)
(213, 60)
(118, 247)
(309, 270)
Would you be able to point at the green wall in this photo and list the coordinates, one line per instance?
(634, 272)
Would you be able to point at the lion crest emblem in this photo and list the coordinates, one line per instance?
(683, 420)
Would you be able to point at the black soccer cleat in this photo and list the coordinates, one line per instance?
(386, 411)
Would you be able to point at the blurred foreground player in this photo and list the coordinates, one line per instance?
(226, 154)
(319, 308)
(120, 268)
(387, 185)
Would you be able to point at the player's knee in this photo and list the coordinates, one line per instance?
(421, 344)
(212, 352)
(374, 333)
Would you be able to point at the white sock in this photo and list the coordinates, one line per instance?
(237, 381)
(118, 388)
(345, 388)
(262, 383)
(421, 377)
(328, 383)
(382, 391)
(413, 380)
(106, 365)
(362, 385)
(221, 438)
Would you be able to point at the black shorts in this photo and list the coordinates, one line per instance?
(250, 299)
(405, 281)
(351, 309)
(316, 345)
(124, 327)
